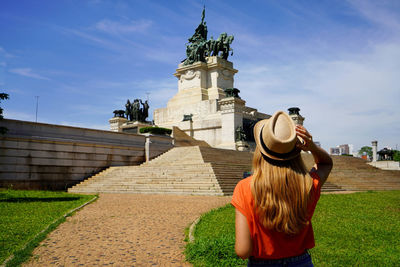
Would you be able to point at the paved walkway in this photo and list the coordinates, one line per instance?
(125, 230)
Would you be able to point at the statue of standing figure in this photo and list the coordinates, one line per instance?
(145, 110)
(136, 109)
(134, 112)
(240, 134)
(128, 110)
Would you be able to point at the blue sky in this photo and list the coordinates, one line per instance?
(339, 61)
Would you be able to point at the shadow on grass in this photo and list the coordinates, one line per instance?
(39, 199)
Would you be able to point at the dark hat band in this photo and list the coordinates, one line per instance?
(281, 156)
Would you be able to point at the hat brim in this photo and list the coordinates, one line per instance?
(258, 131)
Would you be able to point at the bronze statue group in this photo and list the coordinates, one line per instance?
(133, 111)
(137, 110)
(199, 47)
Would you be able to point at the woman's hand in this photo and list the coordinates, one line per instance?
(305, 141)
(323, 162)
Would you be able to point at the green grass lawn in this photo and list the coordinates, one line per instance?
(24, 214)
(360, 229)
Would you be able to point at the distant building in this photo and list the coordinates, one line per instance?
(351, 149)
(345, 149)
(334, 151)
(318, 144)
(386, 154)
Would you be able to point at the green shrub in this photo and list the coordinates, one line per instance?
(155, 130)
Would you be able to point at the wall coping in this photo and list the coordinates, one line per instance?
(65, 126)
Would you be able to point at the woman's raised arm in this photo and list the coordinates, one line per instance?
(323, 162)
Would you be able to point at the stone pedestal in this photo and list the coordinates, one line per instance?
(298, 119)
(119, 124)
(202, 81)
(294, 113)
(134, 126)
(200, 87)
(116, 123)
(231, 118)
(201, 93)
(242, 146)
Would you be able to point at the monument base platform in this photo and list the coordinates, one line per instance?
(121, 124)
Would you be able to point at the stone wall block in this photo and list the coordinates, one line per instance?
(44, 156)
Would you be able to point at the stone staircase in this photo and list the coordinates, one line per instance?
(202, 170)
(355, 174)
(181, 170)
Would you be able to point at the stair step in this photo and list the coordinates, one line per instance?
(210, 171)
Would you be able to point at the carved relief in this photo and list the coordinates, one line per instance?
(226, 74)
(229, 106)
(249, 112)
(189, 75)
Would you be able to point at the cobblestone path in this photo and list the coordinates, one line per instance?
(125, 230)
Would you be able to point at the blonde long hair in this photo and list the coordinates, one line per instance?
(281, 191)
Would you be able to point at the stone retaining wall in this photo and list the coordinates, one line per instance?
(386, 165)
(46, 156)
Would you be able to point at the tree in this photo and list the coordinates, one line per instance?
(367, 150)
(3, 96)
(396, 155)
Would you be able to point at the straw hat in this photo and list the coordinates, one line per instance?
(276, 137)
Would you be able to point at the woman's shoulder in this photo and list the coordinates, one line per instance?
(243, 186)
(245, 182)
(242, 195)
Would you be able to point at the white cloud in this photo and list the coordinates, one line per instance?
(12, 91)
(5, 53)
(94, 39)
(17, 115)
(164, 56)
(115, 27)
(23, 116)
(86, 109)
(160, 90)
(28, 72)
(379, 12)
(2, 72)
(351, 100)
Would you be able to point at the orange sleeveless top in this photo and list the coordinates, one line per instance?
(269, 244)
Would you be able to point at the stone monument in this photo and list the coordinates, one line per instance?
(294, 113)
(206, 91)
(132, 118)
(374, 150)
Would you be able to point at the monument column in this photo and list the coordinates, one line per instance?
(231, 118)
(374, 150)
